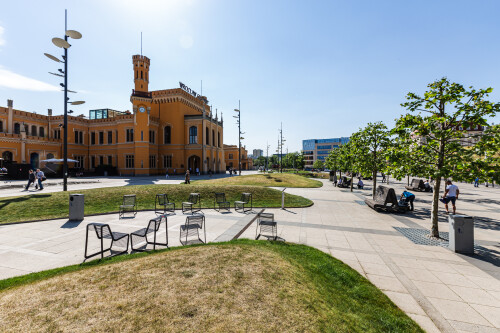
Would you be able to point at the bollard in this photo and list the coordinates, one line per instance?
(283, 198)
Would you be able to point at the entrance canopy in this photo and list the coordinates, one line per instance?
(58, 160)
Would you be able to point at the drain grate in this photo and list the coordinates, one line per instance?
(420, 236)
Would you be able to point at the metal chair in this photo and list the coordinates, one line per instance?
(267, 225)
(129, 205)
(194, 199)
(161, 201)
(192, 228)
(246, 198)
(220, 200)
(104, 231)
(153, 227)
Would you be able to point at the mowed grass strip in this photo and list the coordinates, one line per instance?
(244, 285)
(268, 180)
(105, 200)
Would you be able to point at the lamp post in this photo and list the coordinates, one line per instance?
(238, 121)
(63, 43)
(280, 147)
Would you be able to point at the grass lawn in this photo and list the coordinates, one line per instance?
(243, 285)
(105, 200)
(268, 180)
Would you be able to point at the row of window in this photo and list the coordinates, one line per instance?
(35, 130)
(129, 161)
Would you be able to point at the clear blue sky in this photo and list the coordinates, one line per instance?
(323, 68)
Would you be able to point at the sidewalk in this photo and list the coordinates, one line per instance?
(439, 289)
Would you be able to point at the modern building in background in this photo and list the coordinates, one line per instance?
(231, 158)
(318, 149)
(167, 130)
(257, 153)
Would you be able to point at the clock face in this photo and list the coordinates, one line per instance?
(142, 109)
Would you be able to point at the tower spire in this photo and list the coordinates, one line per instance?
(141, 43)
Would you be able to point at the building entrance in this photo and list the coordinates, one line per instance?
(193, 163)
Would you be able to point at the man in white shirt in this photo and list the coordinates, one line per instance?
(450, 194)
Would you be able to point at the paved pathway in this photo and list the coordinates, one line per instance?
(441, 290)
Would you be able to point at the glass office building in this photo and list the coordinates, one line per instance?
(318, 149)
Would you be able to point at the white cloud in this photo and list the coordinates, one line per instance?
(2, 40)
(12, 80)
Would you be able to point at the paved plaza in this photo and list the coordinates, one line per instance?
(441, 290)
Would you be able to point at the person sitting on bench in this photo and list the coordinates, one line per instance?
(360, 184)
(340, 182)
(408, 198)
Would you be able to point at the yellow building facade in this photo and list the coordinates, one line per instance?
(231, 156)
(168, 130)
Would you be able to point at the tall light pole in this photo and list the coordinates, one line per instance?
(267, 155)
(239, 135)
(63, 43)
(280, 148)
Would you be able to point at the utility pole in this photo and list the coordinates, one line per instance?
(267, 155)
(281, 147)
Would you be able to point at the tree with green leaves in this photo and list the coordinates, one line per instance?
(347, 159)
(432, 131)
(318, 164)
(332, 161)
(370, 145)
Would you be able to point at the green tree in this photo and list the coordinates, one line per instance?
(318, 164)
(370, 145)
(347, 158)
(332, 161)
(432, 132)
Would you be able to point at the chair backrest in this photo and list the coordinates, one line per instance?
(245, 197)
(154, 224)
(102, 230)
(193, 198)
(220, 197)
(266, 217)
(162, 199)
(129, 199)
(385, 195)
(192, 220)
(391, 197)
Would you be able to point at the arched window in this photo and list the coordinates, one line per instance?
(141, 75)
(17, 128)
(213, 138)
(33, 130)
(218, 139)
(7, 156)
(41, 132)
(26, 129)
(207, 136)
(167, 135)
(1, 126)
(193, 134)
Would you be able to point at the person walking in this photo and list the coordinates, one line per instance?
(408, 198)
(335, 180)
(186, 179)
(197, 171)
(476, 182)
(360, 184)
(40, 176)
(450, 194)
(383, 177)
(166, 174)
(31, 179)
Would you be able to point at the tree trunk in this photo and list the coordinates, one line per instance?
(435, 208)
(387, 181)
(352, 179)
(408, 180)
(374, 189)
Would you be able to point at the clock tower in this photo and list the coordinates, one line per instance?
(141, 104)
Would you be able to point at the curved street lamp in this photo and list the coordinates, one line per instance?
(63, 43)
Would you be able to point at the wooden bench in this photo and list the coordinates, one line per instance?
(345, 182)
(416, 185)
(385, 199)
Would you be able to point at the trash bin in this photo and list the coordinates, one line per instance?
(461, 233)
(76, 207)
(331, 175)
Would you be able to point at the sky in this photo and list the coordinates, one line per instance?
(321, 68)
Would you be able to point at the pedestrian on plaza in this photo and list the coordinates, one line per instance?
(340, 182)
(476, 182)
(408, 198)
(31, 179)
(230, 172)
(40, 176)
(166, 174)
(175, 172)
(197, 171)
(427, 186)
(383, 177)
(360, 184)
(210, 173)
(335, 180)
(186, 178)
(450, 194)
